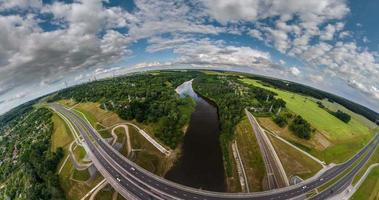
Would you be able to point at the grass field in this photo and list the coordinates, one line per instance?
(335, 106)
(149, 157)
(87, 115)
(295, 162)
(80, 175)
(79, 153)
(334, 140)
(97, 114)
(323, 121)
(75, 190)
(319, 146)
(250, 155)
(369, 190)
(232, 182)
(105, 194)
(61, 135)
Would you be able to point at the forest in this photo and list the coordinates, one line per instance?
(28, 166)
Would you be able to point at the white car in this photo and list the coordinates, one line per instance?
(118, 179)
(304, 187)
(132, 168)
(321, 179)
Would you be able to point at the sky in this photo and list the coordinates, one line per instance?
(47, 45)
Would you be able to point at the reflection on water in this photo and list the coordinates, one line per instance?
(201, 164)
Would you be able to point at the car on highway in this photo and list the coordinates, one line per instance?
(133, 169)
(118, 179)
(304, 187)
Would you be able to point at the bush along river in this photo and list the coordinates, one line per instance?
(200, 165)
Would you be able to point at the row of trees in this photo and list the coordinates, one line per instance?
(342, 116)
(339, 114)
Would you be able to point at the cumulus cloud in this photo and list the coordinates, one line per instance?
(29, 54)
(20, 4)
(357, 66)
(251, 10)
(294, 71)
(87, 37)
(316, 78)
(213, 53)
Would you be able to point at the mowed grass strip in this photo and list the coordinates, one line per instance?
(374, 159)
(61, 136)
(318, 117)
(250, 154)
(232, 182)
(295, 163)
(369, 189)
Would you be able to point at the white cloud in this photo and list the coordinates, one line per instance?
(344, 34)
(20, 4)
(213, 53)
(28, 54)
(316, 78)
(251, 10)
(157, 17)
(294, 71)
(358, 67)
(256, 34)
(282, 62)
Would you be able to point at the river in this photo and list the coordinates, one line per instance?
(201, 164)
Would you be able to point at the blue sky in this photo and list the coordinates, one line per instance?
(328, 44)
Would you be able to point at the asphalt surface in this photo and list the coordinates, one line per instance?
(276, 176)
(145, 185)
(345, 181)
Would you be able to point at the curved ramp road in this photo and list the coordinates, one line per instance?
(133, 182)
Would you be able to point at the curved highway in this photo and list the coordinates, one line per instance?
(142, 184)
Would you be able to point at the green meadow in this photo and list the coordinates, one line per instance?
(320, 119)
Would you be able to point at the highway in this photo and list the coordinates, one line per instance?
(137, 183)
(345, 181)
(276, 176)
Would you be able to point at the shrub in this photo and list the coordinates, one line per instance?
(280, 120)
(301, 127)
